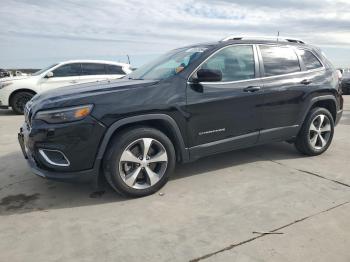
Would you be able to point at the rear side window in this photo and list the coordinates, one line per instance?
(279, 60)
(309, 59)
(67, 70)
(93, 69)
(235, 63)
(114, 70)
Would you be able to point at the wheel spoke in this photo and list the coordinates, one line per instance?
(313, 127)
(131, 178)
(323, 141)
(147, 142)
(128, 156)
(153, 177)
(326, 128)
(313, 140)
(321, 117)
(160, 157)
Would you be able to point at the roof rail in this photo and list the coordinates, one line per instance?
(275, 38)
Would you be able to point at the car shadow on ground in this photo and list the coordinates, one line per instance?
(7, 112)
(22, 192)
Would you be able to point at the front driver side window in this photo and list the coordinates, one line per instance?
(235, 63)
(67, 70)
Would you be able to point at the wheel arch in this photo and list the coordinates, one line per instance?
(326, 101)
(329, 102)
(18, 91)
(162, 122)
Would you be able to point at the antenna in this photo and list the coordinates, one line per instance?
(278, 35)
(128, 59)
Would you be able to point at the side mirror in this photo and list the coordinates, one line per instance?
(49, 75)
(209, 75)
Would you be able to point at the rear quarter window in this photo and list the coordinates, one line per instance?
(309, 59)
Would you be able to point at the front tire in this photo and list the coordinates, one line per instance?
(316, 133)
(19, 100)
(139, 161)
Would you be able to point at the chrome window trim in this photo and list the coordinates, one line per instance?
(255, 57)
(47, 159)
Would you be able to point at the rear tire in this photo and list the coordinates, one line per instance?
(316, 133)
(138, 161)
(19, 100)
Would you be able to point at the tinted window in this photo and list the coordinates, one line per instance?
(93, 69)
(67, 70)
(309, 59)
(235, 63)
(114, 70)
(279, 60)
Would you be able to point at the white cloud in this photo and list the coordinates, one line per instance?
(105, 27)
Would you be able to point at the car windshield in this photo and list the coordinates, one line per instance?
(168, 64)
(43, 70)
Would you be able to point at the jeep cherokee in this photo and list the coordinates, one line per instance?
(190, 103)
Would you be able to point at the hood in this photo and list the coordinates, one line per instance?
(14, 78)
(77, 94)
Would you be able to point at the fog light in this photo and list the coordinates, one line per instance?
(54, 157)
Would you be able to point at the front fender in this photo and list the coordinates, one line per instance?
(184, 154)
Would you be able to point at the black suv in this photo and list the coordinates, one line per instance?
(189, 103)
(346, 82)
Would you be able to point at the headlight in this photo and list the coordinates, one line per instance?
(2, 85)
(64, 115)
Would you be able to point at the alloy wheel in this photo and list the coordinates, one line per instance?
(320, 131)
(143, 163)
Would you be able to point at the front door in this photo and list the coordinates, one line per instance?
(225, 115)
(65, 75)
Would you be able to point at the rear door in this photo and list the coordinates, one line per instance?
(92, 72)
(285, 83)
(225, 115)
(114, 71)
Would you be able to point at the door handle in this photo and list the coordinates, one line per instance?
(252, 89)
(73, 82)
(306, 82)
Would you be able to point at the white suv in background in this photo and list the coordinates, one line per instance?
(15, 92)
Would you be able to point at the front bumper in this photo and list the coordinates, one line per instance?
(33, 140)
(85, 175)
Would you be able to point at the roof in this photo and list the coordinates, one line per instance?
(96, 62)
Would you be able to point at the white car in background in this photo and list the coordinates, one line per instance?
(15, 92)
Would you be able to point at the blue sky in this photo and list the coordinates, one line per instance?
(37, 33)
